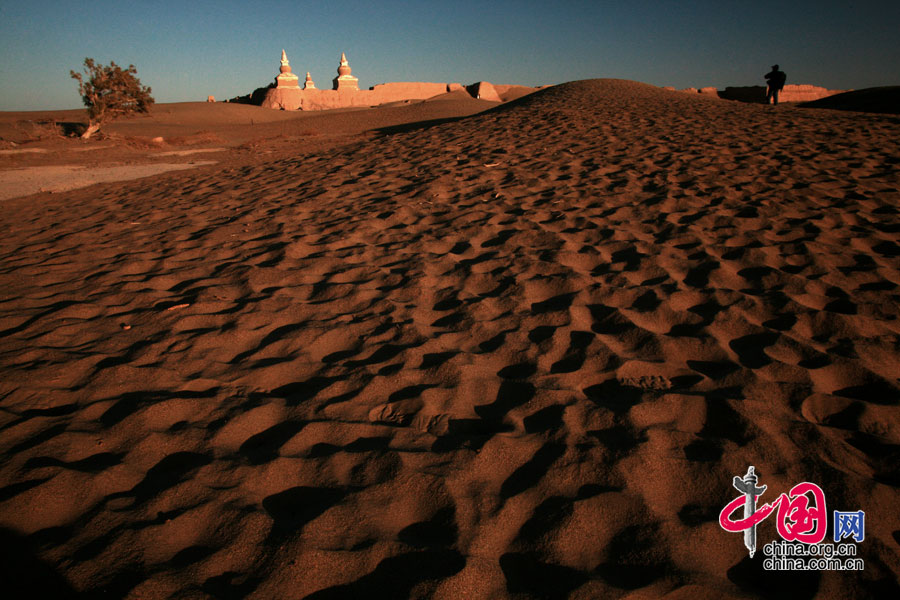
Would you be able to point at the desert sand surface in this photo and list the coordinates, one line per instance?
(34, 156)
(515, 354)
(61, 178)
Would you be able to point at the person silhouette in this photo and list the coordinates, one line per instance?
(775, 80)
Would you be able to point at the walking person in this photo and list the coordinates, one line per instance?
(775, 80)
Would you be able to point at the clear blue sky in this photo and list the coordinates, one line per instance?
(188, 49)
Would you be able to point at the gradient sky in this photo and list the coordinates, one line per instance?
(188, 49)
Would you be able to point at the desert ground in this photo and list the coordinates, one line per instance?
(446, 349)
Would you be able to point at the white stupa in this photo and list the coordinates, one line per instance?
(344, 80)
(285, 78)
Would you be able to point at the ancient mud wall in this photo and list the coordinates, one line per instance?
(315, 99)
(790, 93)
(287, 94)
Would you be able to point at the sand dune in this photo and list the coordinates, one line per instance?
(518, 354)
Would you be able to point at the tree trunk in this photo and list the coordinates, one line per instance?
(91, 130)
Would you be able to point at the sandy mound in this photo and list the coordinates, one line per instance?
(874, 100)
(520, 354)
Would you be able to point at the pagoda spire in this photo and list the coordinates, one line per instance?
(285, 78)
(344, 80)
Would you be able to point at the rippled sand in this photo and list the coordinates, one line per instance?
(517, 354)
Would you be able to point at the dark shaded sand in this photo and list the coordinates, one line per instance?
(520, 354)
(874, 100)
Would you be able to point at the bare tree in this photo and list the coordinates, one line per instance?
(110, 92)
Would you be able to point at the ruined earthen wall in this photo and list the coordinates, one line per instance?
(315, 99)
(483, 90)
(790, 93)
(407, 90)
(805, 93)
(283, 98)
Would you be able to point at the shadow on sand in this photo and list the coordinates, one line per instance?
(21, 569)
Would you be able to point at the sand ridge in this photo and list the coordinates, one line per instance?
(520, 354)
